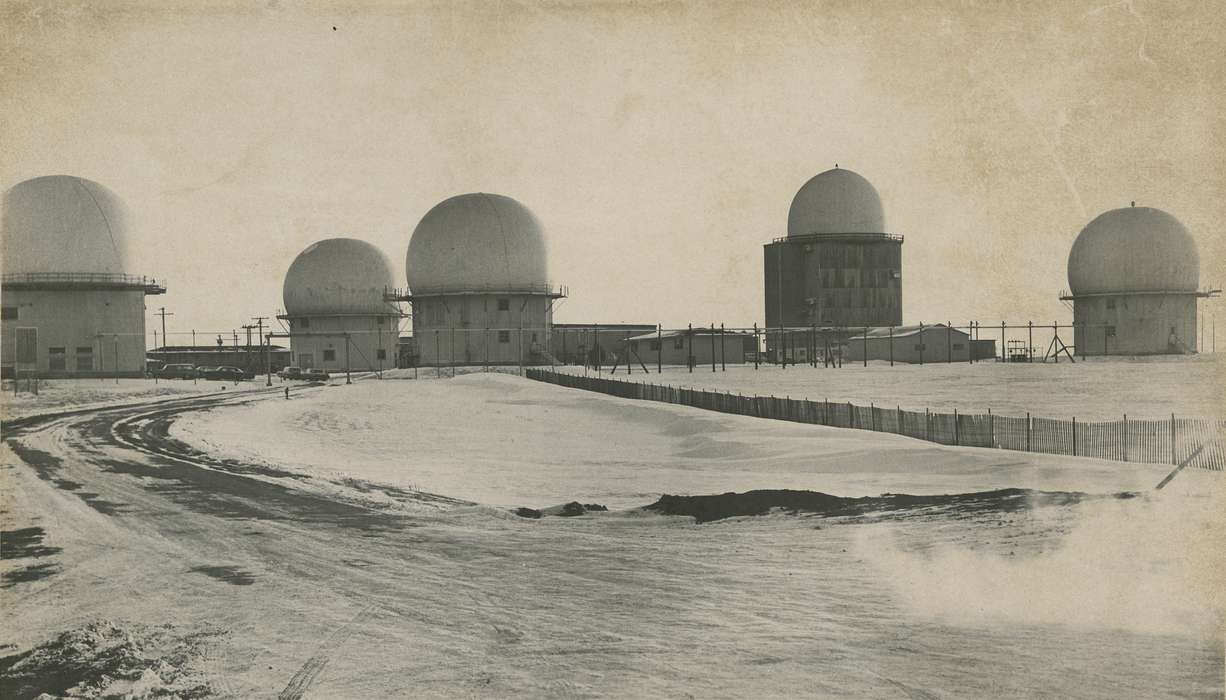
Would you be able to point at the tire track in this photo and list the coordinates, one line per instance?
(301, 681)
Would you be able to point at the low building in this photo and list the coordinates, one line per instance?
(573, 343)
(700, 346)
(249, 358)
(917, 345)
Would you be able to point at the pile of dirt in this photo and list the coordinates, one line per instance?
(104, 660)
(729, 505)
(566, 510)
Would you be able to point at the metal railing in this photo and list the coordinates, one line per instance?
(1163, 441)
(819, 237)
(110, 279)
(407, 294)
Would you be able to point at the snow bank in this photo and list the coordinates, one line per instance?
(507, 441)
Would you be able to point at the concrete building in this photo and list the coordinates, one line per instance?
(478, 280)
(917, 344)
(1134, 276)
(334, 295)
(682, 346)
(69, 307)
(837, 267)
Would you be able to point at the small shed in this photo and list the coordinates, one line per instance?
(700, 346)
(917, 344)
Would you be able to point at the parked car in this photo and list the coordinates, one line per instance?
(316, 375)
(203, 371)
(229, 374)
(290, 372)
(176, 371)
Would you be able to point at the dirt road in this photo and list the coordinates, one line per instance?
(140, 565)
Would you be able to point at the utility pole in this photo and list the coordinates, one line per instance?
(162, 312)
(265, 343)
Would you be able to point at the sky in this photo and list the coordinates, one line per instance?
(659, 143)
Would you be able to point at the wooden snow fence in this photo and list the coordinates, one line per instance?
(1152, 441)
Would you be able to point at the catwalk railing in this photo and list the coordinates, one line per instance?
(1164, 441)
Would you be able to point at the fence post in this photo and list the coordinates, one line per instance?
(991, 429)
(1074, 436)
(1027, 431)
(1174, 458)
(689, 359)
(927, 421)
(756, 347)
(956, 426)
(1124, 447)
(872, 412)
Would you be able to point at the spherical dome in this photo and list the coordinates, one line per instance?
(61, 223)
(477, 242)
(836, 201)
(338, 276)
(1136, 249)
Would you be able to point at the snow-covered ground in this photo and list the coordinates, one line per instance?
(208, 583)
(1091, 389)
(69, 394)
(507, 441)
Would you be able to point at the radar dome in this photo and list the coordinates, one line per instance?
(62, 223)
(475, 242)
(836, 201)
(338, 276)
(1135, 249)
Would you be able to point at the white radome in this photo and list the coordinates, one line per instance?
(477, 242)
(1133, 249)
(62, 223)
(338, 276)
(836, 201)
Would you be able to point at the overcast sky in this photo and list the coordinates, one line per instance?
(660, 144)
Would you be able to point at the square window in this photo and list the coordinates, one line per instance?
(504, 336)
(85, 359)
(381, 354)
(56, 359)
(504, 304)
(8, 313)
(329, 355)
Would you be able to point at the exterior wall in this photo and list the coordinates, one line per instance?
(110, 324)
(841, 281)
(935, 345)
(1135, 324)
(676, 349)
(314, 337)
(472, 329)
